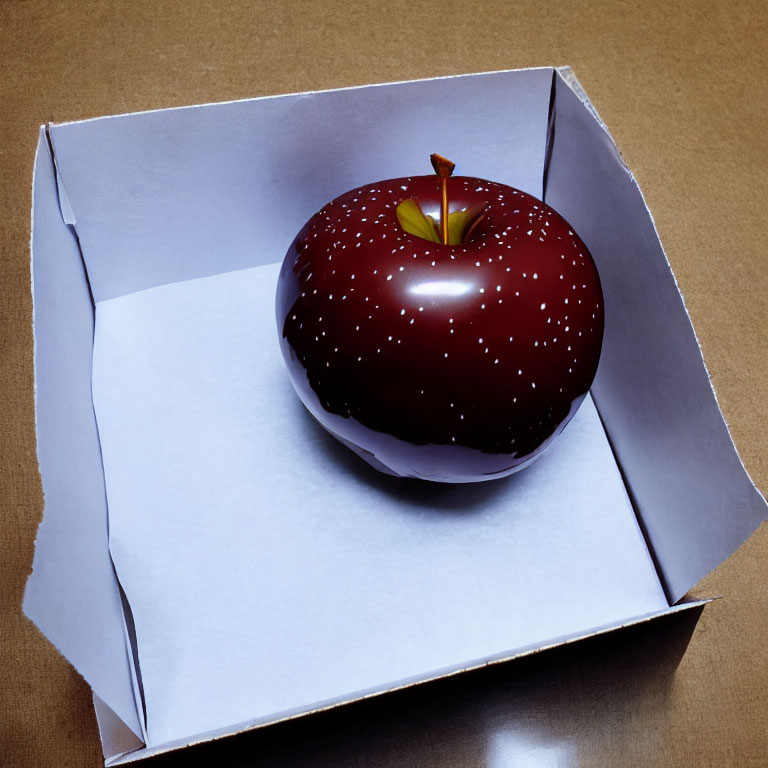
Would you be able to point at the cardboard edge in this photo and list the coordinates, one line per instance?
(495, 660)
(117, 739)
(569, 78)
(35, 586)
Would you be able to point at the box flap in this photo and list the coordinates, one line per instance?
(694, 498)
(72, 594)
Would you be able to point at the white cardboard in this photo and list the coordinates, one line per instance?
(181, 211)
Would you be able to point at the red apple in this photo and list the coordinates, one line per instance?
(444, 329)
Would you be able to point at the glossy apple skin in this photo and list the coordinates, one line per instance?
(452, 363)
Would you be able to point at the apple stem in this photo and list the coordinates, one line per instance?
(443, 168)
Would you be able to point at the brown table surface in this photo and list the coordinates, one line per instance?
(681, 86)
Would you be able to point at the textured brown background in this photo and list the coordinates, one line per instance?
(682, 88)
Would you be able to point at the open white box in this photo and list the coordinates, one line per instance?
(209, 559)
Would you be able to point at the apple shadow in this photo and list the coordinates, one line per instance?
(446, 498)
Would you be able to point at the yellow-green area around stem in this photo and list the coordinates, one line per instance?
(415, 222)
